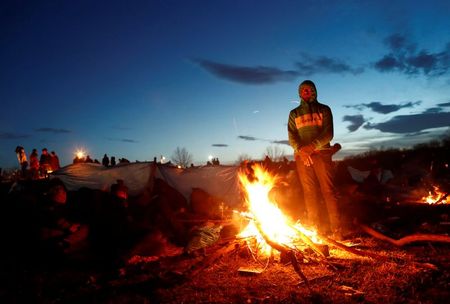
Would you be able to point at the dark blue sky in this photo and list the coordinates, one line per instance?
(138, 79)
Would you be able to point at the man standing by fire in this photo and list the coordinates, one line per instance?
(310, 129)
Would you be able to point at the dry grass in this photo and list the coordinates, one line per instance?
(400, 276)
(397, 279)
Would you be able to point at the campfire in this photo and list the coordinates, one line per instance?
(267, 223)
(436, 196)
(271, 234)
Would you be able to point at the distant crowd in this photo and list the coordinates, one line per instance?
(38, 166)
(35, 166)
(106, 161)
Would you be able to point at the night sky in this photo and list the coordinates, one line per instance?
(137, 79)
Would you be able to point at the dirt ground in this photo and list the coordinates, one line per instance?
(418, 273)
(401, 278)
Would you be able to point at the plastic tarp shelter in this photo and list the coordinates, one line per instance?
(219, 181)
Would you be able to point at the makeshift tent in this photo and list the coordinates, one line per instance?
(218, 181)
(383, 176)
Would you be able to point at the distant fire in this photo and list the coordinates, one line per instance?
(80, 154)
(436, 197)
(266, 217)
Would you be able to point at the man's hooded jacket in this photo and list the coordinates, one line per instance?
(311, 123)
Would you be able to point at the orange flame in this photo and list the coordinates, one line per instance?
(435, 197)
(275, 225)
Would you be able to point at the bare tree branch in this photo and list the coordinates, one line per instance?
(275, 153)
(181, 157)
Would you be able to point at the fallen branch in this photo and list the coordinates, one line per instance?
(407, 239)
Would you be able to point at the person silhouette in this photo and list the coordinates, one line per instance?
(22, 158)
(105, 160)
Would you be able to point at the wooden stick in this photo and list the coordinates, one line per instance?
(349, 249)
(309, 242)
(297, 268)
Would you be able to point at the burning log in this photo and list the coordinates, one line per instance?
(285, 250)
(310, 243)
(436, 197)
(443, 198)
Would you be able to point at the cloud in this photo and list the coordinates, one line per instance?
(251, 138)
(123, 140)
(433, 110)
(412, 123)
(402, 56)
(247, 75)
(8, 135)
(405, 58)
(417, 134)
(378, 107)
(322, 64)
(219, 145)
(52, 130)
(356, 121)
(281, 142)
(357, 143)
(397, 42)
(445, 104)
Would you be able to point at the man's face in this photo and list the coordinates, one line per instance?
(307, 93)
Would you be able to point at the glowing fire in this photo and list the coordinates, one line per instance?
(271, 220)
(80, 154)
(436, 197)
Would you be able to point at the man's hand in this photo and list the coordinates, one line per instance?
(309, 149)
(306, 158)
(305, 155)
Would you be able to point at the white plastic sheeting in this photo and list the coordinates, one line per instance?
(219, 181)
(359, 176)
(95, 176)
